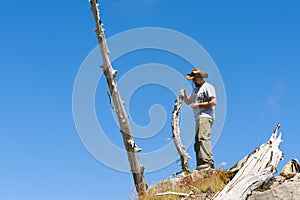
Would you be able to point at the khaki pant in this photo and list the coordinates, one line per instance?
(202, 146)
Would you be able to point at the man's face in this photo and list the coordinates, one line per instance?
(197, 79)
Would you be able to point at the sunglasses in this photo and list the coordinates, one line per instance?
(195, 75)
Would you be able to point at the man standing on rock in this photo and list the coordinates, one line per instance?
(203, 101)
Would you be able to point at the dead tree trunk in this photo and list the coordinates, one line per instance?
(184, 157)
(254, 170)
(131, 149)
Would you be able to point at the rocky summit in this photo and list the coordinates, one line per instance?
(281, 188)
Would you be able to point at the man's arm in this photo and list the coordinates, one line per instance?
(187, 99)
(212, 102)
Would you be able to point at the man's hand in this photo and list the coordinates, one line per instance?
(182, 93)
(187, 99)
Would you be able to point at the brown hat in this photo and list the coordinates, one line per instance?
(194, 72)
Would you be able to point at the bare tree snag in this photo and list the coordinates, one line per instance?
(254, 170)
(131, 148)
(184, 157)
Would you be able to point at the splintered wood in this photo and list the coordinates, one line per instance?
(131, 148)
(254, 170)
(184, 157)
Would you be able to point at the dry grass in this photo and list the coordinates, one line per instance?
(154, 197)
(204, 184)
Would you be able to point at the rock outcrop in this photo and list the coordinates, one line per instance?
(290, 169)
(281, 189)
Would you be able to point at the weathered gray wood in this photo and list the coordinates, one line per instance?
(173, 193)
(254, 170)
(184, 157)
(131, 149)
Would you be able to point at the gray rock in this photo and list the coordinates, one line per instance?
(280, 189)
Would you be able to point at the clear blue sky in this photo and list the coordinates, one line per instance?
(255, 45)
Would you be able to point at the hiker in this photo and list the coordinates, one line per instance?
(203, 101)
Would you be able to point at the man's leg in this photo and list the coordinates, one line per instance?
(197, 144)
(203, 145)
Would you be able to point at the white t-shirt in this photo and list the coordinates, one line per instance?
(203, 94)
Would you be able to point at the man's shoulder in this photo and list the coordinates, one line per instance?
(209, 85)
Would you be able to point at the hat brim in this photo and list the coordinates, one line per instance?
(189, 77)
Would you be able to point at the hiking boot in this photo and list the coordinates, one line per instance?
(202, 167)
